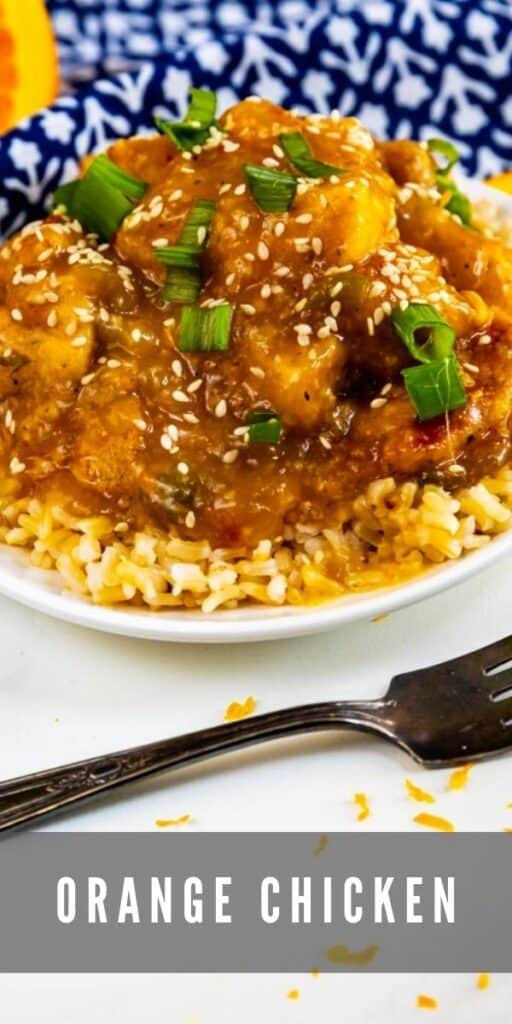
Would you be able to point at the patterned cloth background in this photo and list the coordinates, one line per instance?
(406, 67)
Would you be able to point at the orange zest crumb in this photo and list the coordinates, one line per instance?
(321, 846)
(343, 955)
(361, 801)
(293, 993)
(235, 710)
(315, 973)
(421, 795)
(426, 1002)
(483, 981)
(459, 778)
(434, 821)
(171, 822)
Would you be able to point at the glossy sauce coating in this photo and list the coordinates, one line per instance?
(101, 411)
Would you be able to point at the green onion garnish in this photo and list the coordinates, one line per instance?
(183, 282)
(458, 203)
(438, 336)
(102, 198)
(446, 150)
(299, 154)
(195, 127)
(264, 427)
(205, 330)
(273, 191)
(435, 388)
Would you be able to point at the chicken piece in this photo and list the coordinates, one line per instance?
(409, 448)
(148, 158)
(470, 261)
(299, 382)
(408, 161)
(256, 119)
(108, 433)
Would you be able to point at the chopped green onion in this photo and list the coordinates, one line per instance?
(100, 208)
(102, 198)
(273, 191)
(418, 316)
(458, 203)
(63, 196)
(445, 149)
(104, 170)
(435, 387)
(195, 127)
(199, 218)
(299, 154)
(264, 427)
(183, 282)
(205, 330)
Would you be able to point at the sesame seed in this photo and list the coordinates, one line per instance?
(190, 520)
(177, 194)
(317, 245)
(263, 251)
(239, 190)
(176, 367)
(302, 329)
(112, 364)
(52, 318)
(386, 389)
(307, 281)
(16, 314)
(166, 442)
(194, 386)
(80, 341)
(201, 234)
(277, 151)
(230, 456)
(300, 305)
(182, 468)
(16, 466)
(257, 371)
(282, 271)
(140, 424)
(224, 188)
(265, 291)
(221, 408)
(335, 308)
(377, 403)
(173, 432)
(345, 269)
(471, 367)
(244, 222)
(136, 334)
(247, 308)
(190, 417)
(304, 218)
(229, 146)
(160, 243)
(180, 396)
(370, 325)
(87, 378)
(485, 339)
(279, 228)
(456, 469)
(325, 442)
(269, 161)
(230, 278)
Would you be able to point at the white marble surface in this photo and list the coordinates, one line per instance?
(67, 693)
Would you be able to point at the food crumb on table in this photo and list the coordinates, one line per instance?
(434, 821)
(293, 993)
(237, 710)
(361, 801)
(483, 981)
(424, 1002)
(460, 777)
(185, 819)
(321, 846)
(416, 793)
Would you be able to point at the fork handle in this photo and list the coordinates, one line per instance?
(30, 797)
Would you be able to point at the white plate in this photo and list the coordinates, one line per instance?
(43, 590)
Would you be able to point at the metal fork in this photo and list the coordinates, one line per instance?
(460, 710)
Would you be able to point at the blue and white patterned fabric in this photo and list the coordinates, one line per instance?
(406, 67)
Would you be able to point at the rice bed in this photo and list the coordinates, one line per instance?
(390, 534)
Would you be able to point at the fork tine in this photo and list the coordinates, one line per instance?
(493, 655)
